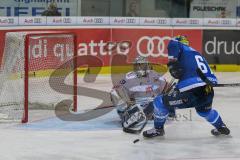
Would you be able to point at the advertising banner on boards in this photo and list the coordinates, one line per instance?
(10, 8)
(152, 43)
(213, 9)
(104, 43)
(221, 46)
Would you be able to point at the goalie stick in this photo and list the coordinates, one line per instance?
(104, 107)
(206, 80)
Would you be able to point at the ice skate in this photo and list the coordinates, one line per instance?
(220, 131)
(153, 132)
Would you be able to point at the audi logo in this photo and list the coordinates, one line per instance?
(98, 20)
(11, 20)
(37, 20)
(226, 22)
(194, 21)
(131, 20)
(162, 21)
(151, 51)
(67, 20)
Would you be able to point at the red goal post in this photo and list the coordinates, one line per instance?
(28, 73)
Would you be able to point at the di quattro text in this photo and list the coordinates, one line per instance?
(42, 48)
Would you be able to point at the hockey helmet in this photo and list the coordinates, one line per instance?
(182, 39)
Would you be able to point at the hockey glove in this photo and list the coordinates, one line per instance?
(175, 69)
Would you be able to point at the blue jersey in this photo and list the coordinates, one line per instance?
(189, 60)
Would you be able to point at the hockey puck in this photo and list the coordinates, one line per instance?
(136, 140)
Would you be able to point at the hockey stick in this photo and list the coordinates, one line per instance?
(99, 108)
(170, 87)
(104, 107)
(206, 80)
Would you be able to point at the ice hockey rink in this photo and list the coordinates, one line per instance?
(187, 137)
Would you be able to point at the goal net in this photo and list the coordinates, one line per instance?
(29, 60)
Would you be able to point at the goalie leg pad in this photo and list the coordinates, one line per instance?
(121, 110)
(134, 119)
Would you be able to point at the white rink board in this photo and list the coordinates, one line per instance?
(102, 138)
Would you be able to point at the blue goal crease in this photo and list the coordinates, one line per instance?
(109, 121)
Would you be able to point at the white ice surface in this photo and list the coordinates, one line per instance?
(187, 137)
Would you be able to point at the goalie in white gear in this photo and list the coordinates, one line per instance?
(134, 94)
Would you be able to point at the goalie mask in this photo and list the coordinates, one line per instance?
(140, 66)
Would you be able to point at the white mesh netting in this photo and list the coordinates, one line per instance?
(47, 52)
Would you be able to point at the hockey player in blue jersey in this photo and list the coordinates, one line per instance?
(190, 91)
